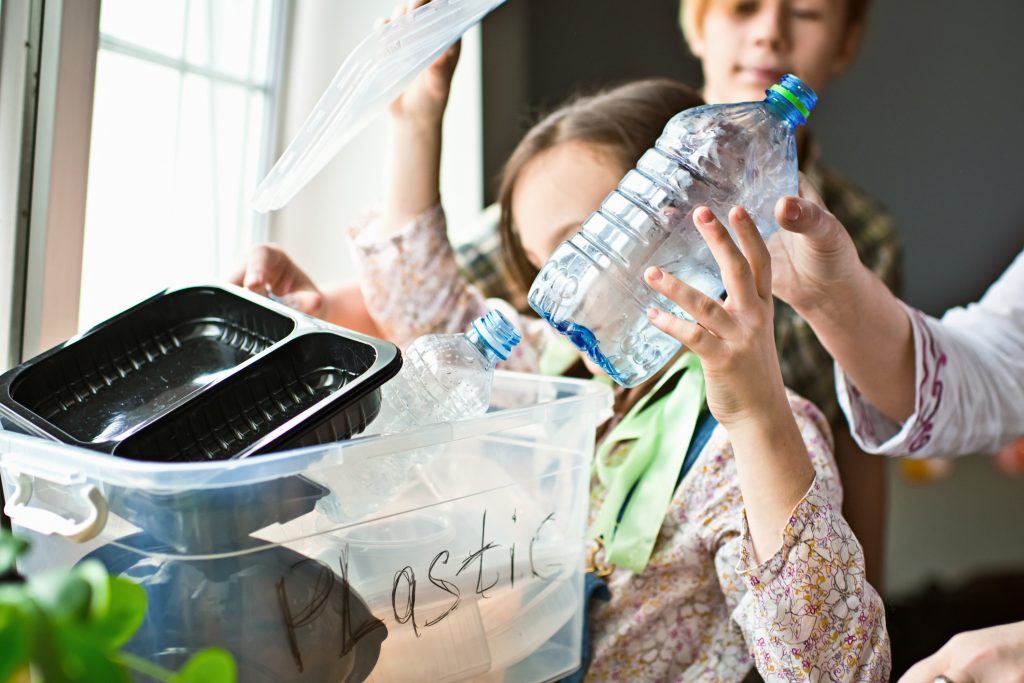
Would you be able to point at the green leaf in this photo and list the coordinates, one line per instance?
(95, 574)
(68, 653)
(15, 595)
(126, 608)
(15, 645)
(61, 595)
(11, 547)
(212, 665)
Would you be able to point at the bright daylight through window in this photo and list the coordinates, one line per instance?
(180, 137)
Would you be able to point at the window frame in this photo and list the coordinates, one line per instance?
(42, 208)
(60, 165)
(20, 31)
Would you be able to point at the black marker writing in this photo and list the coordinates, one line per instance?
(349, 639)
(446, 586)
(479, 555)
(289, 628)
(410, 598)
(536, 537)
(512, 566)
(307, 614)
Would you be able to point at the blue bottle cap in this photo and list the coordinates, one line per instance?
(793, 95)
(498, 333)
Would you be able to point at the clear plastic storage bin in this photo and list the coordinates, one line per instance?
(473, 570)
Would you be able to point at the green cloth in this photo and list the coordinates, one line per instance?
(661, 434)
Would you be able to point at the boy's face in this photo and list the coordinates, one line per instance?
(747, 45)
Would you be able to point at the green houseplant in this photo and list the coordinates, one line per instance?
(68, 626)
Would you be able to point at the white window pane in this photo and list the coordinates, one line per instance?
(220, 36)
(256, 164)
(156, 25)
(176, 155)
(134, 122)
(198, 36)
(166, 183)
(213, 153)
(261, 50)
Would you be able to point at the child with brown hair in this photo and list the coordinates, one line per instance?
(747, 559)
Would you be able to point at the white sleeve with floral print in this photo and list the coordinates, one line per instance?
(969, 380)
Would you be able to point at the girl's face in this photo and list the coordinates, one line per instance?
(556, 191)
(747, 45)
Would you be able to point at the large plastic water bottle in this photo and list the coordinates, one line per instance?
(446, 376)
(592, 289)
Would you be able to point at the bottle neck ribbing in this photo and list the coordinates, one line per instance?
(784, 109)
(482, 347)
(791, 99)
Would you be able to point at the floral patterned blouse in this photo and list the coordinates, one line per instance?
(703, 609)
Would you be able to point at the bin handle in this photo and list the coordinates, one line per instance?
(50, 523)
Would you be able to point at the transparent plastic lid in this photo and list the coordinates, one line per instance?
(376, 71)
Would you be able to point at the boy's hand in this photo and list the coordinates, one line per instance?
(813, 257)
(735, 339)
(268, 270)
(424, 100)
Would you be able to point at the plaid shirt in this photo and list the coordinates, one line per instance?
(806, 365)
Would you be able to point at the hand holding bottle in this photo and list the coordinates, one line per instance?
(860, 323)
(813, 257)
(736, 345)
(734, 338)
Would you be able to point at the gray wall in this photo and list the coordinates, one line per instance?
(927, 121)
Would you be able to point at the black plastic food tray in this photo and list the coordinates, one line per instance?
(201, 373)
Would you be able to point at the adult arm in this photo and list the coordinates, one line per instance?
(909, 384)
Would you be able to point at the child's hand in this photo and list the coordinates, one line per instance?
(269, 270)
(735, 339)
(425, 99)
(736, 344)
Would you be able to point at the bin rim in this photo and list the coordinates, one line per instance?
(68, 464)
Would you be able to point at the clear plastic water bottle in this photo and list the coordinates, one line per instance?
(592, 289)
(446, 376)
